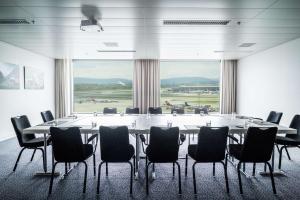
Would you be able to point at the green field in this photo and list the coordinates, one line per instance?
(91, 99)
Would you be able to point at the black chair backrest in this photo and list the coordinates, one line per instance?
(114, 143)
(274, 117)
(20, 123)
(107, 110)
(258, 144)
(295, 123)
(212, 143)
(198, 110)
(163, 145)
(47, 116)
(67, 144)
(155, 110)
(177, 110)
(132, 110)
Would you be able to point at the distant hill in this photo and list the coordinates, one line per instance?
(188, 81)
(110, 81)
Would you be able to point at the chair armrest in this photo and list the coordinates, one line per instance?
(94, 136)
(182, 138)
(233, 138)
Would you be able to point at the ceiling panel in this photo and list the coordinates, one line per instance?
(138, 25)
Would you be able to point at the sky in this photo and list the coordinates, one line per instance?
(124, 69)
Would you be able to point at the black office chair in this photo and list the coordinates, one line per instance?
(132, 110)
(163, 148)
(177, 110)
(155, 110)
(107, 110)
(290, 140)
(67, 148)
(115, 148)
(47, 116)
(257, 148)
(27, 141)
(199, 110)
(211, 148)
(274, 117)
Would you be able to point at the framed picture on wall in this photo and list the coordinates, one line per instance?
(33, 78)
(9, 76)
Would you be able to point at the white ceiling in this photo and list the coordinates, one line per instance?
(137, 25)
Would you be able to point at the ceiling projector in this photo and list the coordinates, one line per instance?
(91, 25)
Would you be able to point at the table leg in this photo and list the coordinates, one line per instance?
(137, 155)
(275, 173)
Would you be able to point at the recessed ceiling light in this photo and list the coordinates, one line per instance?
(247, 44)
(111, 44)
(196, 22)
(116, 51)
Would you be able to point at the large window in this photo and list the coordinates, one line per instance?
(190, 84)
(99, 84)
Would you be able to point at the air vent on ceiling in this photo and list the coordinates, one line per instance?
(196, 22)
(111, 44)
(116, 51)
(247, 44)
(14, 21)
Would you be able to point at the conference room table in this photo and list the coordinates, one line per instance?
(141, 123)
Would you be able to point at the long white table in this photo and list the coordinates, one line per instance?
(141, 123)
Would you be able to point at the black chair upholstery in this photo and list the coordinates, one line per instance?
(26, 141)
(47, 116)
(177, 110)
(115, 148)
(274, 117)
(132, 110)
(163, 148)
(290, 140)
(155, 110)
(107, 110)
(257, 148)
(211, 147)
(68, 147)
(198, 110)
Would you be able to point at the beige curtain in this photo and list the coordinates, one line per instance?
(63, 87)
(146, 84)
(228, 87)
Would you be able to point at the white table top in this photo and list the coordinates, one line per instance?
(188, 123)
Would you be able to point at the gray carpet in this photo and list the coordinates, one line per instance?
(24, 185)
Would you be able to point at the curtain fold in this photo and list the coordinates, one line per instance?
(146, 84)
(229, 86)
(63, 87)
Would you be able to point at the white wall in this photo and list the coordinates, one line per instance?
(21, 101)
(270, 80)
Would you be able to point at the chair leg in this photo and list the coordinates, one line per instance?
(287, 152)
(272, 177)
(253, 170)
(265, 168)
(32, 155)
(225, 174)
(194, 179)
(131, 176)
(85, 176)
(277, 148)
(94, 163)
(214, 169)
(99, 174)
(19, 156)
(179, 177)
(186, 164)
(66, 168)
(153, 167)
(52, 177)
(106, 165)
(147, 178)
(173, 169)
(280, 157)
(239, 176)
(134, 168)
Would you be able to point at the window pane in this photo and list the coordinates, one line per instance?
(99, 84)
(190, 84)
